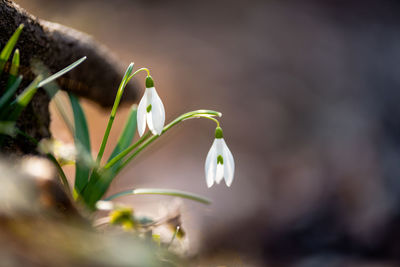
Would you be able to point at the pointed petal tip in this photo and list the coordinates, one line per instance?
(228, 183)
(157, 113)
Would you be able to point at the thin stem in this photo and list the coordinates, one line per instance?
(59, 106)
(174, 236)
(189, 115)
(157, 191)
(113, 113)
(126, 151)
(63, 177)
(208, 117)
(136, 72)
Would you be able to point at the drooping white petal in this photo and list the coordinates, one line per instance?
(229, 164)
(219, 173)
(156, 117)
(211, 164)
(141, 114)
(220, 167)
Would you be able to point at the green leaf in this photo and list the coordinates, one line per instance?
(63, 177)
(120, 91)
(62, 109)
(61, 72)
(96, 187)
(8, 128)
(99, 182)
(82, 144)
(23, 99)
(8, 48)
(126, 137)
(6, 97)
(158, 191)
(14, 69)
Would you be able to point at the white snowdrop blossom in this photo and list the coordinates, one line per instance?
(219, 162)
(150, 110)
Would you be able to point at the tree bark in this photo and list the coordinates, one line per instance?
(57, 46)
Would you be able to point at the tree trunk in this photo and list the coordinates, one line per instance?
(57, 46)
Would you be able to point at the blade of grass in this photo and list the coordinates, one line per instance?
(124, 141)
(113, 112)
(126, 137)
(101, 179)
(61, 173)
(62, 110)
(8, 48)
(14, 69)
(6, 97)
(82, 144)
(61, 72)
(23, 99)
(96, 187)
(159, 191)
(7, 128)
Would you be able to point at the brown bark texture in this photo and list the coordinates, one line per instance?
(57, 46)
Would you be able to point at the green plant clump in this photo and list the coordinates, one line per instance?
(93, 176)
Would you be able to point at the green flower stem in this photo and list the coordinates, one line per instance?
(186, 116)
(61, 72)
(63, 177)
(126, 151)
(136, 72)
(174, 236)
(59, 104)
(157, 191)
(114, 111)
(210, 118)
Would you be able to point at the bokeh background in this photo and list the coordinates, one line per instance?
(310, 94)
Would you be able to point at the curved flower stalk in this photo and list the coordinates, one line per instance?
(219, 162)
(150, 109)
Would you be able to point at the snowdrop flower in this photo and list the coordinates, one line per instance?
(219, 162)
(150, 109)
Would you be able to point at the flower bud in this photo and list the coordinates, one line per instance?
(149, 82)
(218, 133)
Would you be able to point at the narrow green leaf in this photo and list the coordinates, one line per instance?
(99, 182)
(8, 48)
(23, 99)
(61, 72)
(7, 96)
(8, 128)
(96, 187)
(158, 191)
(126, 137)
(14, 69)
(61, 107)
(114, 111)
(63, 177)
(82, 144)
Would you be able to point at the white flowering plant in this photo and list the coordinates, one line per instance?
(93, 176)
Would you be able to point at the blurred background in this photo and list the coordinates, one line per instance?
(310, 94)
